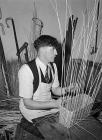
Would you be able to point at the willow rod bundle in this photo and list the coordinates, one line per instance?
(78, 103)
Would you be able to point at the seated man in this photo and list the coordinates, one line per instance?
(36, 81)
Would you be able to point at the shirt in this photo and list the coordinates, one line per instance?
(26, 78)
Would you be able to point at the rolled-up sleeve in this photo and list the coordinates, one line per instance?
(56, 81)
(25, 78)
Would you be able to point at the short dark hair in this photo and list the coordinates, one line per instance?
(45, 40)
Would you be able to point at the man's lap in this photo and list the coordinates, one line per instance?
(49, 127)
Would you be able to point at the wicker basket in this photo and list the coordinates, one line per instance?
(75, 109)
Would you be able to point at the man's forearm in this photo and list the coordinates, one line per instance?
(58, 91)
(63, 91)
(40, 105)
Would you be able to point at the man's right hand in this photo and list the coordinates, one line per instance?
(59, 102)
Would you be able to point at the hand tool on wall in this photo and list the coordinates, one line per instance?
(15, 36)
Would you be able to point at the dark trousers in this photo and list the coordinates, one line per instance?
(46, 127)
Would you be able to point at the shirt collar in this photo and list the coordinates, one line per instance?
(41, 65)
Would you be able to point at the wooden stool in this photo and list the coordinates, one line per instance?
(19, 133)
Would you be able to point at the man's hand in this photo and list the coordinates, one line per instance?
(72, 88)
(63, 91)
(57, 103)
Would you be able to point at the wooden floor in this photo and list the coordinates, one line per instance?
(88, 129)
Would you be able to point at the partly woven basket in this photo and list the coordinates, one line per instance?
(75, 109)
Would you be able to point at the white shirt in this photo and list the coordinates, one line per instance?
(26, 78)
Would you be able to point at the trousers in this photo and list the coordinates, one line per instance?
(46, 128)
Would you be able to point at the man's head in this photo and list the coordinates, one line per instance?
(46, 47)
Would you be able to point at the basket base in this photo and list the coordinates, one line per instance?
(72, 114)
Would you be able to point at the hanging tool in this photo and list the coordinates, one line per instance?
(24, 46)
(0, 14)
(15, 36)
(39, 23)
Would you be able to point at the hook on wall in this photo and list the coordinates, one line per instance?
(6, 21)
(39, 23)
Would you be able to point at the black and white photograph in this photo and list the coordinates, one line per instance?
(50, 69)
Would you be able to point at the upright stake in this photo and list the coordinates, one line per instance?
(4, 68)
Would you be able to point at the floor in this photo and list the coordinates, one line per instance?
(88, 129)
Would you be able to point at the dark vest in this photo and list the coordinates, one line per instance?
(34, 69)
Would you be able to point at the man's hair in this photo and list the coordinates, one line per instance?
(45, 40)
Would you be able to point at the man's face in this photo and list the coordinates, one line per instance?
(50, 53)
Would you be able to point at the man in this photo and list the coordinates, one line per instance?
(39, 103)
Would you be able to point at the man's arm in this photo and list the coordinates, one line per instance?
(40, 105)
(59, 91)
(63, 91)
